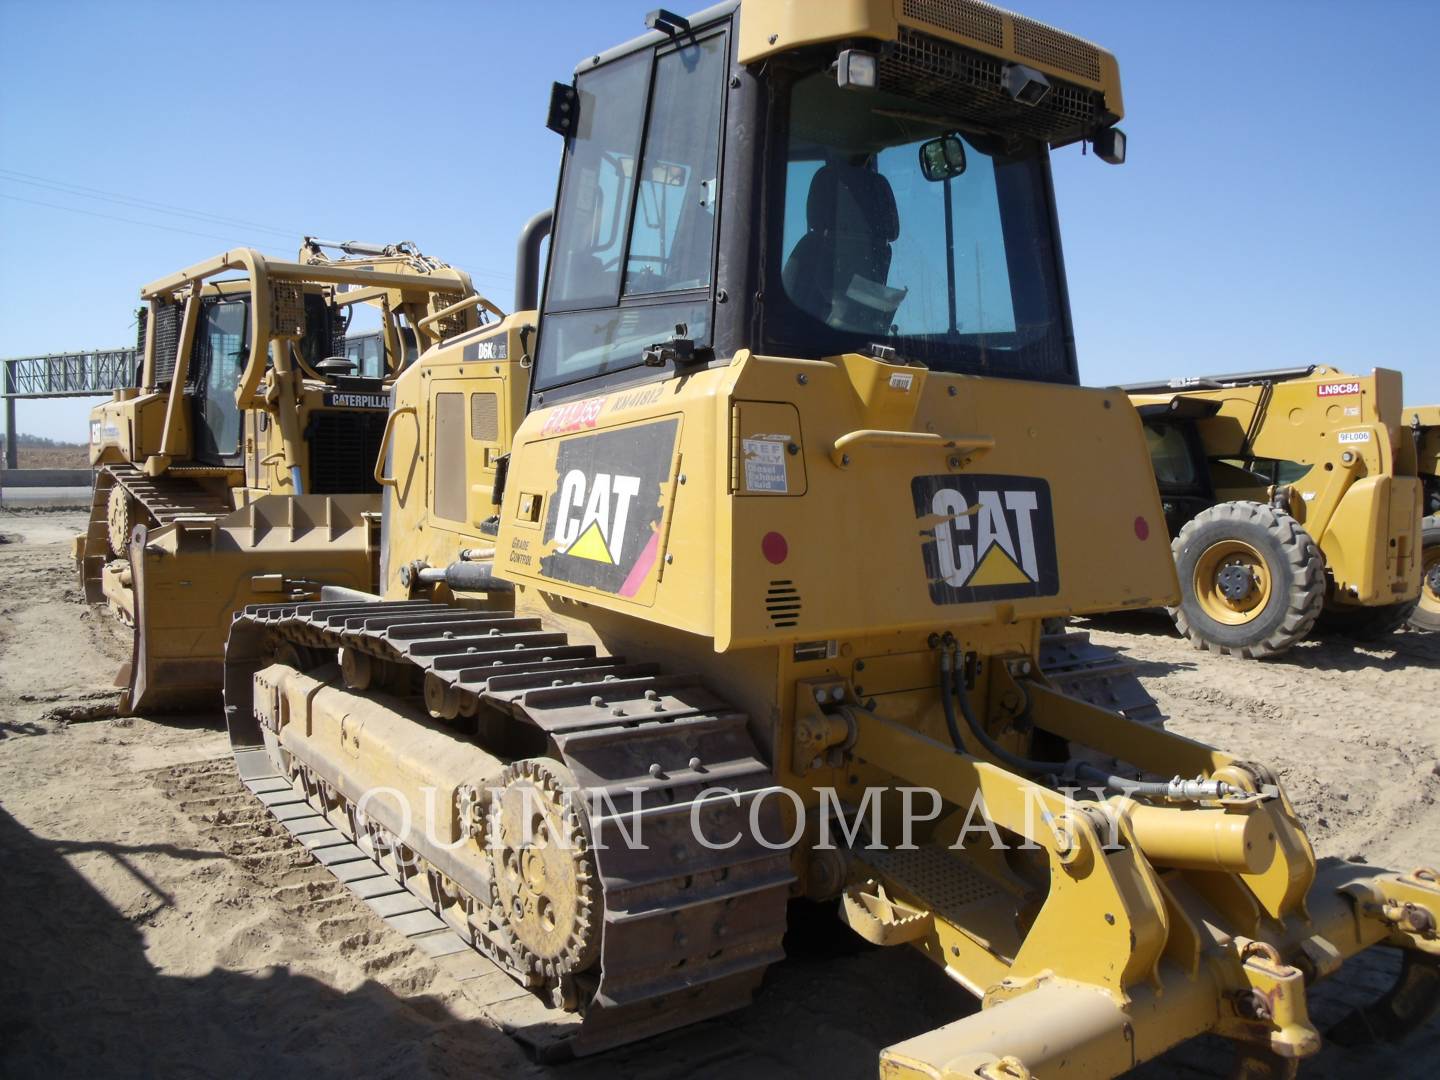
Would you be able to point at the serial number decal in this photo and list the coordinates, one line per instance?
(902, 381)
(1354, 436)
(986, 537)
(634, 399)
(341, 400)
(764, 460)
(573, 416)
(604, 517)
(1337, 389)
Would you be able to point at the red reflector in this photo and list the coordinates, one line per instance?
(1142, 528)
(774, 547)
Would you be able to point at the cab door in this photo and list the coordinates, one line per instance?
(467, 419)
(221, 348)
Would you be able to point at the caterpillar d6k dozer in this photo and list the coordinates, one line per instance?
(240, 465)
(1293, 500)
(1424, 424)
(717, 581)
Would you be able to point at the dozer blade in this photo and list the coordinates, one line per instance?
(189, 578)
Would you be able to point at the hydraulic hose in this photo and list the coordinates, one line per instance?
(952, 690)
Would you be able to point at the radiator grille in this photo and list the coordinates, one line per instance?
(167, 341)
(782, 604)
(985, 24)
(344, 444)
(965, 85)
(287, 309)
(339, 324)
(451, 324)
(1036, 41)
(485, 417)
(979, 22)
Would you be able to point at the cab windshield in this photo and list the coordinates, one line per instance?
(956, 271)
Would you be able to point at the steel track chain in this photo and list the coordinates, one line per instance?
(688, 930)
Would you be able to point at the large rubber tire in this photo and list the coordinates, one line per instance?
(1285, 561)
(1426, 615)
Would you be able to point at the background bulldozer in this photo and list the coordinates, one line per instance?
(1292, 497)
(1424, 424)
(240, 464)
(758, 515)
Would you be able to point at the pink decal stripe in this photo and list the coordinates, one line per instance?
(642, 566)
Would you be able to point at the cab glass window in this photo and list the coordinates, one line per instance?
(595, 200)
(674, 224)
(224, 349)
(1170, 456)
(957, 270)
(632, 255)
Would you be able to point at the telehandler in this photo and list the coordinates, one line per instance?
(1424, 424)
(1292, 498)
(237, 468)
(759, 513)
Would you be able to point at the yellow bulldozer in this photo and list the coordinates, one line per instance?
(1293, 500)
(715, 579)
(1424, 424)
(238, 467)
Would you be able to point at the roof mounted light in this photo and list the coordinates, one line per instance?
(1110, 146)
(667, 22)
(856, 70)
(1025, 84)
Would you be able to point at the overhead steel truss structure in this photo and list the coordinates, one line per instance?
(92, 373)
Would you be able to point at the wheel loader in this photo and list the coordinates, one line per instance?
(1293, 501)
(237, 468)
(1424, 424)
(715, 579)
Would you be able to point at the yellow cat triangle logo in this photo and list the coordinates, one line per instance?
(998, 568)
(591, 545)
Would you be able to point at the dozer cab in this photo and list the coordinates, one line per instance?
(1293, 500)
(1423, 422)
(239, 465)
(717, 581)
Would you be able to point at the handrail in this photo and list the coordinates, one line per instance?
(380, 477)
(462, 305)
(852, 441)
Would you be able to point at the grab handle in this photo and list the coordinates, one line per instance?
(846, 445)
(380, 477)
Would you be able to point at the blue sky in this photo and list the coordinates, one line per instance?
(1279, 205)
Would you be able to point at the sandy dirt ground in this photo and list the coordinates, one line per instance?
(154, 923)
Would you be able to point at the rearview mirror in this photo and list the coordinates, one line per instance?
(942, 158)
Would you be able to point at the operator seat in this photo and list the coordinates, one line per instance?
(851, 220)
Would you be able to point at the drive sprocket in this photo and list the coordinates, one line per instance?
(543, 869)
(120, 519)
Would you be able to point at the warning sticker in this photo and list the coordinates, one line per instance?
(764, 465)
(1354, 436)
